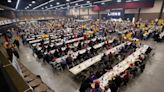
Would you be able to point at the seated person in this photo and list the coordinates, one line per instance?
(99, 73)
(67, 49)
(79, 46)
(97, 87)
(48, 48)
(98, 40)
(42, 42)
(91, 43)
(92, 76)
(48, 58)
(56, 54)
(133, 69)
(43, 48)
(141, 57)
(87, 54)
(111, 57)
(79, 57)
(71, 53)
(142, 66)
(107, 68)
(125, 77)
(92, 50)
(40, 55)
(134, 45)
(148, 50)
(118, 80)
(85, 85)
(34, 50)
(105, 58)
(112, 86)
(54, 47)
(69, 59)
(115, 42)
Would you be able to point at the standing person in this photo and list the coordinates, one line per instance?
(97, 87)
(15, 52)
(9, 51)
(85, 85)
(42, 42)
(23, 40)
(16, 42)
(50, 39)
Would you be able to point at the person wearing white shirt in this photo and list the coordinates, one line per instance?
(71, 53)
(108, 90)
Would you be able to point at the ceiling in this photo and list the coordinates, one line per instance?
(58, 4)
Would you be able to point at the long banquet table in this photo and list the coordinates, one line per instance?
(122, 66)
(58, 60)
(77, 69)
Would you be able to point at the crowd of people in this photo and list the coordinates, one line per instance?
(48, 34)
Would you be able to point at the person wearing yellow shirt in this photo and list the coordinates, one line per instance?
(137, 42)
(129, 35)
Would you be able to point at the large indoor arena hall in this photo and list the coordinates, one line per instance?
(81, 45)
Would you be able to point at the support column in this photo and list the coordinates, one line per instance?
(71, 10)
(98, 14)
(138, 15)
(160, 14)
(99, 17)
(79, 13)
(88, 11)
(123, 14)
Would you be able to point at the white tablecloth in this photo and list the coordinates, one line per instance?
(161, 35)
(122, 66)
(77, 69)
(80, 51)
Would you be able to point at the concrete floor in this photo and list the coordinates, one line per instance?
(151, 80)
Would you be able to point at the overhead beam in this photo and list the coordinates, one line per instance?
(43, 4)
(17, 5)
(6, 8)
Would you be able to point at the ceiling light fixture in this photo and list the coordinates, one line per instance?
(102, 3)
(57, 3)
(33, 2)
(30, 4)
(9, 1)
(88, 1)
(67, 0)
(51, 5)
(76, 4)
